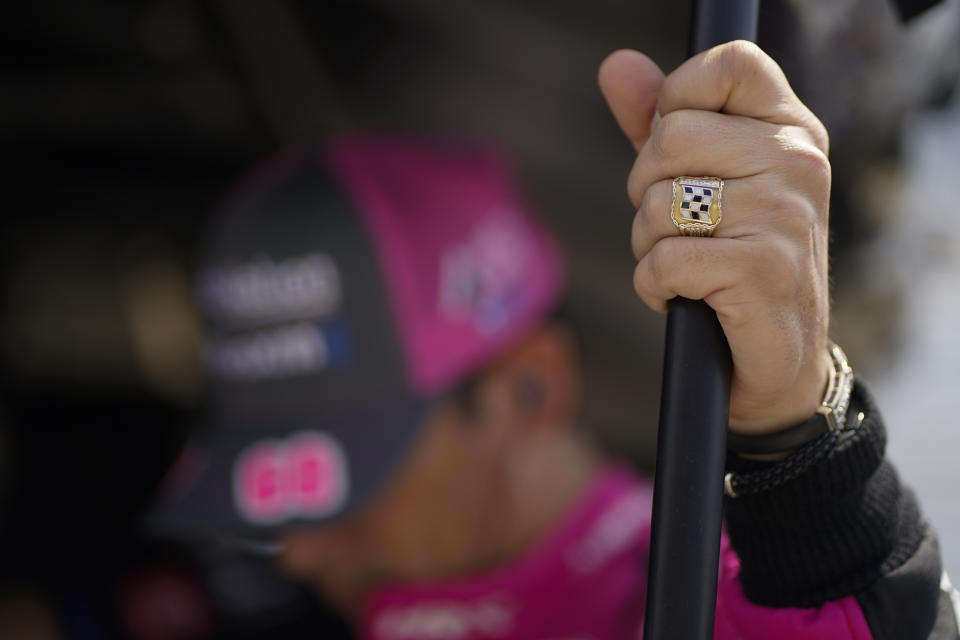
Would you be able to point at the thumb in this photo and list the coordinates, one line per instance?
(630, 83)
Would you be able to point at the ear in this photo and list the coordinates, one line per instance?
(542, 376)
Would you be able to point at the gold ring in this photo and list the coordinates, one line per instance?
(696, 209)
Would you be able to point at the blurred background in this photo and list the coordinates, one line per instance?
(122, 122)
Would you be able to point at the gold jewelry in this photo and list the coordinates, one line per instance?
(696, 208)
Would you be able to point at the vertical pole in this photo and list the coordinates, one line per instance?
(694, 410)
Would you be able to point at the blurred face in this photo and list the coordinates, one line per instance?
(424, 525)
(457, 503)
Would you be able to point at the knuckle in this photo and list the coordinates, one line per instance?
(667, 137)
(774, 264)
(735, 315)
(814, 172)
(639, 280)
(740, 57)
(659, 260)
(655, 266)
(633, 184)
(813, 162)
(644, 290)
(820, 134)
(653, 202)
(646, 203)
(636, 234)
(649, 276)
(793, 214)
(649, 220)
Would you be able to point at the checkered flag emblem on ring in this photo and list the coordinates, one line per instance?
(696, 203)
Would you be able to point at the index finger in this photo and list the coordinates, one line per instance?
(738, 78)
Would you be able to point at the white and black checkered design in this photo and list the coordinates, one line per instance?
(696, 203)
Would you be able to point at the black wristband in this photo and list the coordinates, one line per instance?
(780, 441)
(736, 485)
(817, 525)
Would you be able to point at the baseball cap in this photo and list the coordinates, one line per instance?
(344, 288)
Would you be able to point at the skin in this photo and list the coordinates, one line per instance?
(730, 112)
(481, 487)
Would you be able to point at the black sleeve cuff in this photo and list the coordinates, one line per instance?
(827, 532)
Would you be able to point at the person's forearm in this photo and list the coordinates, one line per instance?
(841, 526)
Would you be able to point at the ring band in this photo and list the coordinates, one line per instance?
(696, 208)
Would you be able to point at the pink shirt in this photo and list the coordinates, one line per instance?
(586, 581)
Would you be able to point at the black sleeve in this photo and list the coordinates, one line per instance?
(843, 524)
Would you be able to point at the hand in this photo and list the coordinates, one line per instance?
(730, 112)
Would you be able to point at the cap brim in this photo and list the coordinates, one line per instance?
(256, 480)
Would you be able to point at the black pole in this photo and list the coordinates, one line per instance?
(694, 409)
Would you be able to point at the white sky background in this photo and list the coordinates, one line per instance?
(918, 387)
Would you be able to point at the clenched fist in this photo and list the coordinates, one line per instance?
(730, 112)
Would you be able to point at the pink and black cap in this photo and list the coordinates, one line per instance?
(344, 289)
